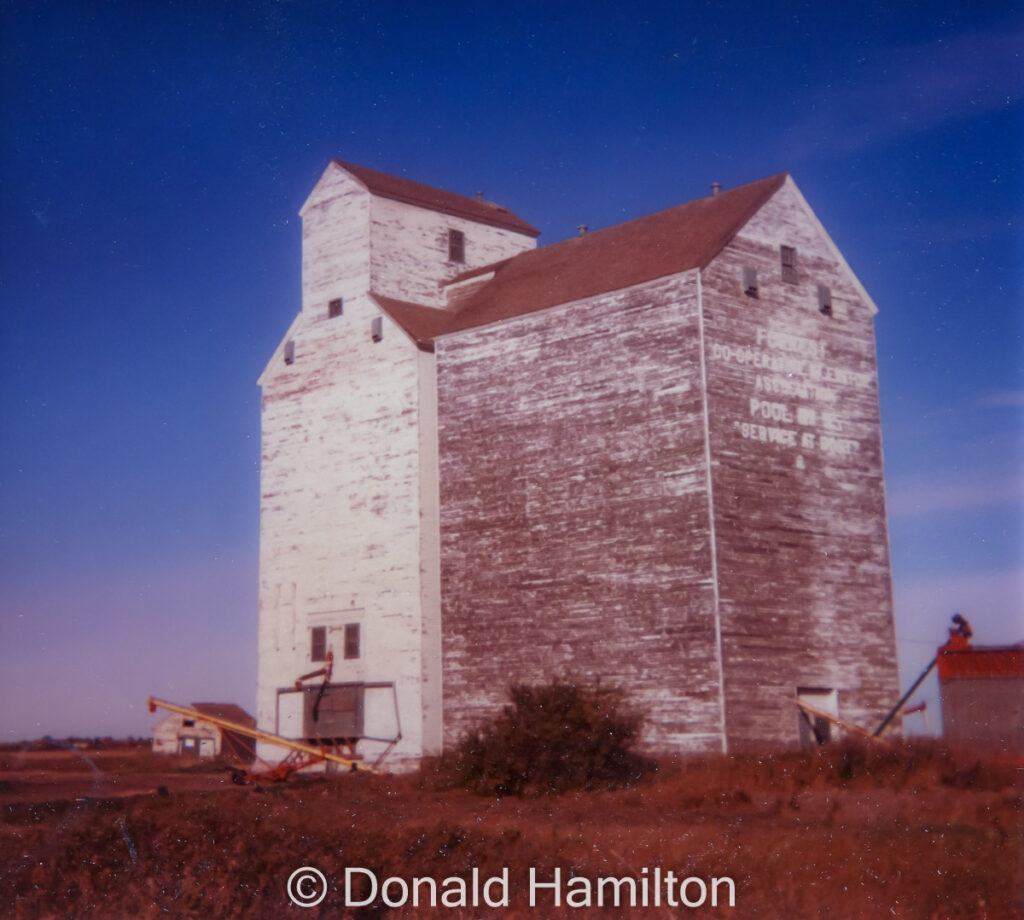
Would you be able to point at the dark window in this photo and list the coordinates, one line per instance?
(188, 723)
(376, 329)
(456, 246)
(289, 352)
(334, 308)
(824, 300)
(351, 640)
(318, 643)
(749, 281)
(788, 256)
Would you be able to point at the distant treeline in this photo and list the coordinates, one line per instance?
(48, 743)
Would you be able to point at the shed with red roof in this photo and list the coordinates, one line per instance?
(982, 692)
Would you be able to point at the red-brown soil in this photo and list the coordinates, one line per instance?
(838, 833)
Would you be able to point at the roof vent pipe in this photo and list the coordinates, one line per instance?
(582, 229)
(716, 187)
(479, 196)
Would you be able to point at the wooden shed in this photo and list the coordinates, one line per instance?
(192, 737)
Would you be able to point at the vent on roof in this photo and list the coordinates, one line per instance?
(456, 246)
(335, 307)
(824, 300)
(289, 352)
(787, 254)
(377, 328)
(749, 281)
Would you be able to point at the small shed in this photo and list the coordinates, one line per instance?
(982, 691)
(178, 734)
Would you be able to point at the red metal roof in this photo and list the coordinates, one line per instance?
(435, 199)
(669, 242)
(981, 662)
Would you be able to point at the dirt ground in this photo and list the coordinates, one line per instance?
(47, 776)
(837, 833)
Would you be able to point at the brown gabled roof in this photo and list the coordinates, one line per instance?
(476, 272)
(435, 199)
(230, 711)
(666, 243)
(422, 324)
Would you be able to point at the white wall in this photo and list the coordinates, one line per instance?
(348, 517)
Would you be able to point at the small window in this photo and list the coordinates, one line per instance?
(456, 246)
(377, 328)
(289, 352)
(824, 300)
(318, 643)
(351, 640)
(334, 308)
(188, 723)
(749, 281)
(788, 256)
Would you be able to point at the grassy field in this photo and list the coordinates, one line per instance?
(911, 832)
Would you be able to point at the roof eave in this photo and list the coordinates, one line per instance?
(457, 205)
(394, 309)
(834, 249)
(774, 183)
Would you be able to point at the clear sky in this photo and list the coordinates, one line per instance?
(154, 157)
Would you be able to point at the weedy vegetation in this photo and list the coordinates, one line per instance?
(552, 738)
(912, 831)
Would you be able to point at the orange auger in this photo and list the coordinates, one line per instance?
(296, 749)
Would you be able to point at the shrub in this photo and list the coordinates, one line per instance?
(552, 738)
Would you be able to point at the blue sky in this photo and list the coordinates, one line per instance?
(154, 159)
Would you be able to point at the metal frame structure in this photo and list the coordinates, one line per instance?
(352, 685)
(959, 636)
(300, 754)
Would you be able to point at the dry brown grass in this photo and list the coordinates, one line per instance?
(123, 760)
(911, 832)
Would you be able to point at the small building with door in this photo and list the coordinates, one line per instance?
(982, 693)
(176, 734)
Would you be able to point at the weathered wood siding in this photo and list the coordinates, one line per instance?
(340, 482)
(335, 242)
(799, 508)
(574, 510)
(349, 508)
(561, 494)
(409, 253)
(340, 510)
